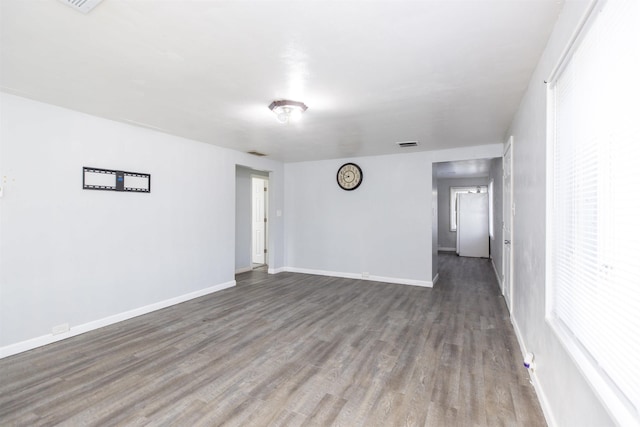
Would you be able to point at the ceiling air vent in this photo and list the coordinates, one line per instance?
(256, 153)
(84, 6)
(406, 144)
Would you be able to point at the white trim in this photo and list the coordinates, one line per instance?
(535, 381)
(243, 269)
(276, 270)
(254, 175)
(548, 212)
(443, 249)
(399, 281)
(32, 343)
(616, 408)
(435, 279)
(572, 42)
(508, 147)
(323, 273)
(490, 191)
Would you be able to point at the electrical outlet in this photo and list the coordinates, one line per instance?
(365, 274)
(60, 329)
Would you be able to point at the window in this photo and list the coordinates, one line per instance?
(593, 265)
(453, 201)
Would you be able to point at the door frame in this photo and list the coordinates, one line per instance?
(508, 212)
(265, 179)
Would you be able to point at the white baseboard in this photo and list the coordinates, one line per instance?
(32, 343)
(243, 270)
(542, 397)
(276, 270)
(410, 282)
(445, 249)
(435, 279)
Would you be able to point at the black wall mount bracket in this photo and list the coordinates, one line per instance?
(115, 180)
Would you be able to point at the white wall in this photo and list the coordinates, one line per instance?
(384, 227)
(86, 258)
(566, 397)
(243, 219)
(446, 237)
(434, 224)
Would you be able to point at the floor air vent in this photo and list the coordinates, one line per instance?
(405, 144)
(83, 6)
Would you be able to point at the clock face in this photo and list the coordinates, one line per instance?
(349, 176)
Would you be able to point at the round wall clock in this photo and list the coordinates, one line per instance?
(349, 176)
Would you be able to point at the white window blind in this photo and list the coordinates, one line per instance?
(594, 212)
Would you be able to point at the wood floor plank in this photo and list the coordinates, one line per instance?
(327, 410)
(289, 419)
(290, 350)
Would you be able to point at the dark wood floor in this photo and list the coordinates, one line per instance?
(290, 350)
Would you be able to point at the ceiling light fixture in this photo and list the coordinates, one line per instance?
(287, 111)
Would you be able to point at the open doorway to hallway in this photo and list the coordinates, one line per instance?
(480, 177)
(252, 222)
(259, 200)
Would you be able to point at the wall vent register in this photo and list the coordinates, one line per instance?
(407, 144)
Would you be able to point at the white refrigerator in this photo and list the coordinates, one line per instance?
(473, 225)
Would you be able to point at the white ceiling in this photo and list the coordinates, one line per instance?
(445, 73)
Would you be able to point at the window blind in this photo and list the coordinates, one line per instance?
(594, 279)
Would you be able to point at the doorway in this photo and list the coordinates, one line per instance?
(259, 209)
(471, 175)
(472, 224)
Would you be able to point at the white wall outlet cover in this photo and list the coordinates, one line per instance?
(528, 360)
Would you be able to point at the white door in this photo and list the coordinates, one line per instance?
(473, 225)
(258, 228)
(508, 220)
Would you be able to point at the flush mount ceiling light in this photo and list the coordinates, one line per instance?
(287, 111)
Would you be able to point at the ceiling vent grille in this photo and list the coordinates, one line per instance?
(84, 6)
(256, 153)
(406, 144)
